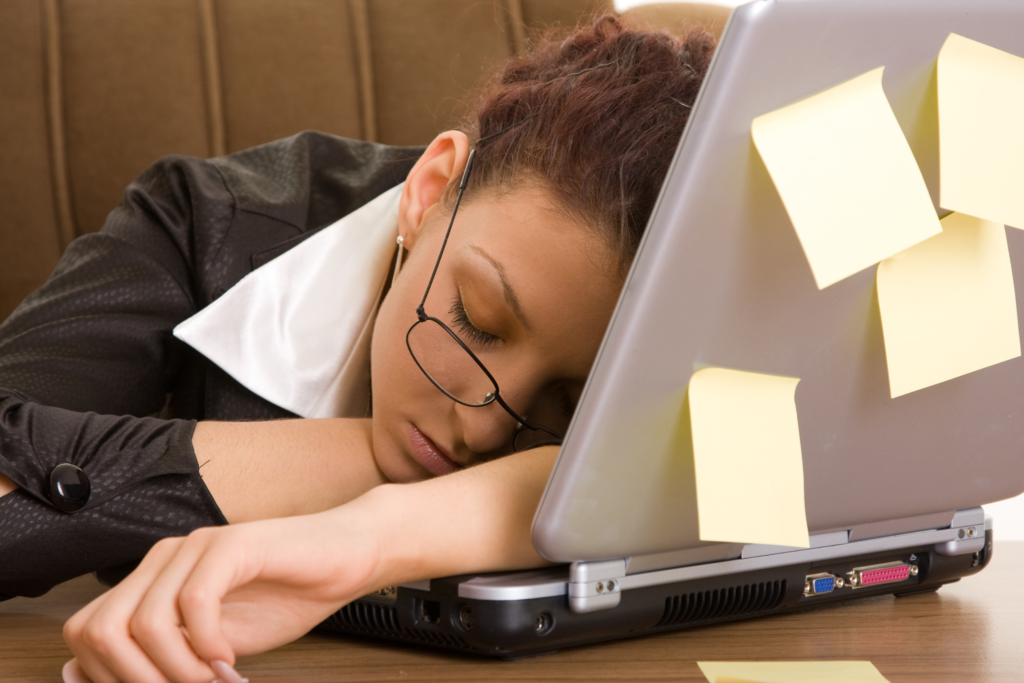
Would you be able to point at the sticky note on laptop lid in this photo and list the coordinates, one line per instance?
(948, 305)
(791, 672)
(747, 460)
(847, 177)
(981, 136)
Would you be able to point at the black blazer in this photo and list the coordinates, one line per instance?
(87, 357)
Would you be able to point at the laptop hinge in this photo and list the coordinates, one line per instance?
(595, 586)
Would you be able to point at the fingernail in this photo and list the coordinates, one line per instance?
(72, 674)
(225, 673)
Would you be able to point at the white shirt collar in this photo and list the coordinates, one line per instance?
(297, 330)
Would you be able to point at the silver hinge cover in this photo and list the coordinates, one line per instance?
(595, 586)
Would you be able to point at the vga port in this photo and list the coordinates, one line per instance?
(820, 584)
(878, 574)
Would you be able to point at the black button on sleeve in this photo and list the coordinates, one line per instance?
(69, 487)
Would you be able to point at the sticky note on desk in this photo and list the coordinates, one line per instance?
(747, 460)
(791, 672)
(847, 177)
(948, 305)
(981, 136)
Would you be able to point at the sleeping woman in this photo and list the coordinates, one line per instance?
(145, 388)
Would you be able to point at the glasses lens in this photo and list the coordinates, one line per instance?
(449, 365)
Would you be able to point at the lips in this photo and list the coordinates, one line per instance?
(426, 453)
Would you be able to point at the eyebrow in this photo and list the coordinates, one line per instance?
(510, 294)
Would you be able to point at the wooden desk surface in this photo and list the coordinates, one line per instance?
(970, 631)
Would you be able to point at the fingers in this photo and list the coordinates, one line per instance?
(222, 568)
(74, 630)
(115, 641)
(71, 673)
(156, 624)
(166, 620)
(99, 635)
(226, 674)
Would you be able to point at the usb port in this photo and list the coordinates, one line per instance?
(820, 584)
(878, 574)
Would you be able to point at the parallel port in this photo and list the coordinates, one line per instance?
(878, 574)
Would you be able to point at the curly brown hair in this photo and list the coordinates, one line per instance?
(607, 105)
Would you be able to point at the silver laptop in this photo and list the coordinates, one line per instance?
(893, 489)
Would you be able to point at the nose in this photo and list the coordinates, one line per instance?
(487, 430)
(490, 430)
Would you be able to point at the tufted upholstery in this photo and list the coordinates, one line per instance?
(94, 91)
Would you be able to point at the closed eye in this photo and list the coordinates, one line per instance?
(462, 322)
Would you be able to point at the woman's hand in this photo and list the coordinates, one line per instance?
(222, 592)
(228, 591)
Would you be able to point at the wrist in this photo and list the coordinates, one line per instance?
(403, 552)
(475, 520)
(372, 542)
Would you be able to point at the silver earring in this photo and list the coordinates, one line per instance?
(398, 259)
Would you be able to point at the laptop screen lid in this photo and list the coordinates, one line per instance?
(721, 280)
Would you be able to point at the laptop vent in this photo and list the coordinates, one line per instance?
(722, 603)
(382, 621)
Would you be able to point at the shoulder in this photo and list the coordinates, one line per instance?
(311, 178)
(307, 180)
(223, 216)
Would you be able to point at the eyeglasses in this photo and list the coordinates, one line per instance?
(453, 368)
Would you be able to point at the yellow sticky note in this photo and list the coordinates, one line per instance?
(791, 672)
(981, 136)
(847, 177)
(948, 305)
(747, 460)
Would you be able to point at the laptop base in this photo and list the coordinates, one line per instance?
(510, 629)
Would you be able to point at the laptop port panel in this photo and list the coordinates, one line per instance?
(509, 629)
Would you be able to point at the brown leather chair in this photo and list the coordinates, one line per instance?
(93, 91)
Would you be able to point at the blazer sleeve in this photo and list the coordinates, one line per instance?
(83, 361)
(86, 358)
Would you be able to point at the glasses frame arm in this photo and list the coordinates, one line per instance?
(420, 312)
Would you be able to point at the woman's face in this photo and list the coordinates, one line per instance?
(529, 291)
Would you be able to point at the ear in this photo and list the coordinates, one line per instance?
(444, 160)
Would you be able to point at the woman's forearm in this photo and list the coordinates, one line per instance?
(475, 520)
(248, 588)
(261, 470)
